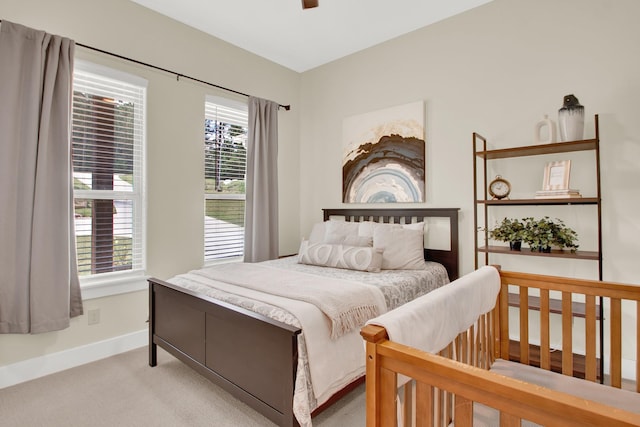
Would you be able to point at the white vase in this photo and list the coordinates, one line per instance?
(540, 136)
(571, 119)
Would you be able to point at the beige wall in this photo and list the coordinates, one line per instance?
(175, 115)
(495, 70)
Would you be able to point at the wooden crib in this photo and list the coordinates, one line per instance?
(472, 382)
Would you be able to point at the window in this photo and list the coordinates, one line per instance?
(108, 137)
(225, 154)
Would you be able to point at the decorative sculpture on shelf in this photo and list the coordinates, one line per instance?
(571, 119)
(539, 132)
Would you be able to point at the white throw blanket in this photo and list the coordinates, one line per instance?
(330, 367)
(431, 322)
(348, 305)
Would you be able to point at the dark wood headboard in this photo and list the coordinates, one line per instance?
(448, 258)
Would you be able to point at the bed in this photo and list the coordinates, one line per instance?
(255, 350)
(466, 374)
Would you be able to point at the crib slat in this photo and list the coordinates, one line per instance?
(508, 420)
(616, 343)
(545, 350)
(493, 337)
(387, 402)
(567, 334)
(482, 345)
(502, 338)
(473, 337)
(590, 338)
(448, 408)
(524, 325)
(372, 385)
(492, 326)
(463, 412)
(407, 404)
(464, 348)
(441, 410)
(424, 405)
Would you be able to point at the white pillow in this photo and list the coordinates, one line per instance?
(356, 241)
(340, 256)
(403, 248)
(318, 232)
(416, 226)
(342, 233)
(366, 228)
(338, 231)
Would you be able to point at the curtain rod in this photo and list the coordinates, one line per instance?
(178, 75)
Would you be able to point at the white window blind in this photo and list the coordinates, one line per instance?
(108, 139)
(225, 154)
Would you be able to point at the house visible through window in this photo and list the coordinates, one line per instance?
(108, 135)
(225, 154)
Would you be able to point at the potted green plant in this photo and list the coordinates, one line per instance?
(542, 234)
(538, 233)
(565, 237)
(509, 230)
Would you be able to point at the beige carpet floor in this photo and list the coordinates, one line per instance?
(124, 390)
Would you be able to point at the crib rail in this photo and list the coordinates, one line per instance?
(445, 387)
(417, 402)
(614, 296)
(465, 385)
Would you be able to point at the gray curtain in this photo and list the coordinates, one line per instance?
(261, 211)
(39, 287)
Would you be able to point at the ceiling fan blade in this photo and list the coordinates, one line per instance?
(308, 4)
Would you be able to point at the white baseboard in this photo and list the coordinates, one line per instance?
(44, 365)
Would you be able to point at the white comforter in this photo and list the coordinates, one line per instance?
(325, 365)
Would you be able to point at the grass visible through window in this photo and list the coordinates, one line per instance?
(122, 254)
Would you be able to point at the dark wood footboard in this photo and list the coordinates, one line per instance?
(252, 357)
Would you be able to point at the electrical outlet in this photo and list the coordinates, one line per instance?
(93, 316)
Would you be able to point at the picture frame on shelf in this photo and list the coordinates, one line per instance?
(556, 175)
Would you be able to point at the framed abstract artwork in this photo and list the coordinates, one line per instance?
(384, 156)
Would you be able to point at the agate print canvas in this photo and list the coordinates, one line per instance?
(384, 156)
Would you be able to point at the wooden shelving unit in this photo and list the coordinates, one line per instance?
(556, 359)
(482, 204)
(534, 202)
(555, 253)
(535, 150)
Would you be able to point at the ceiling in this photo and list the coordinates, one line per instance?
(281, 31)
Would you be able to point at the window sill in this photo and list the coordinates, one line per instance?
(93, 287)
(222, 261)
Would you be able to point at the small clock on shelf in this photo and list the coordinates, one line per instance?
(499, 188)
